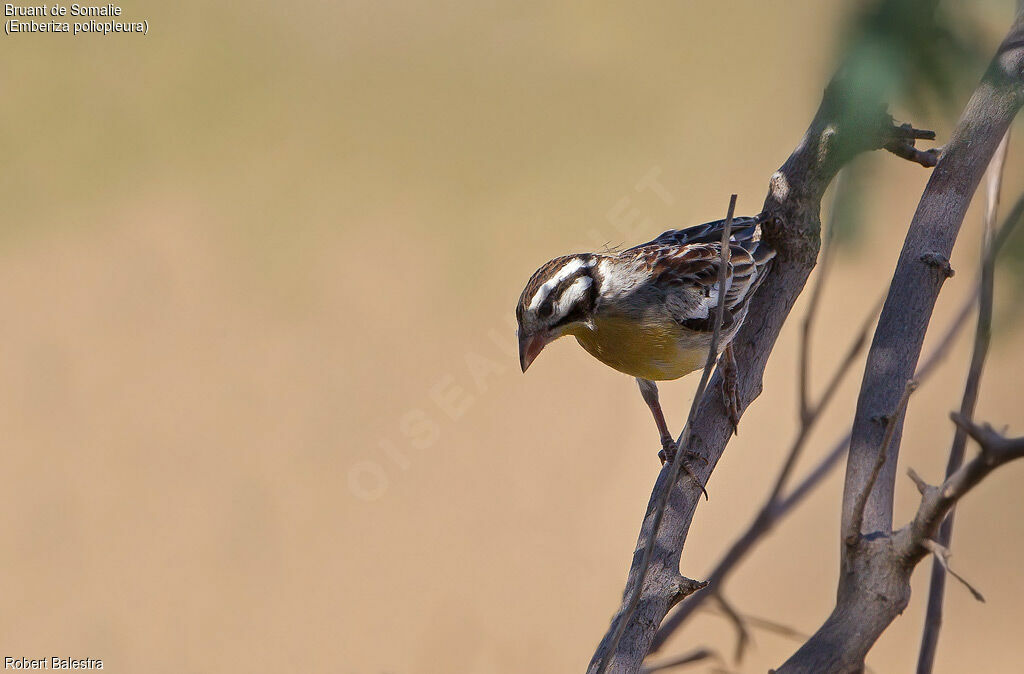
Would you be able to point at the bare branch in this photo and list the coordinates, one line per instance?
(880, 565)
(691, 658)
(742, 633)
(772, 626)
(915, 286)
(906, 150)
(912, 541)
(790, 223)
(982, 338)
(678, 460)
(903, 146)
(777, 506)
(907, 132)
(996, 449)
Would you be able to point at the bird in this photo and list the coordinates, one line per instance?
(649, 311)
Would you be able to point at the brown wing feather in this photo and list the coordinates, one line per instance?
(688, 260)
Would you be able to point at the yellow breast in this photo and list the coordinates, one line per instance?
(656, 351)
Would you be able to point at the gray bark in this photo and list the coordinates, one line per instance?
(874, 579)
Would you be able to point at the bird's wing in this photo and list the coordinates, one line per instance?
(746, 232)
(684, 264)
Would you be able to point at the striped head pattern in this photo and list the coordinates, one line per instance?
(559, 294)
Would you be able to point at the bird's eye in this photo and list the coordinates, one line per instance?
(545, 310)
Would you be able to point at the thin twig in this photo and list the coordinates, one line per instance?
(942, 555)
(982, 339)
(691, 658)
(814, 412)
(995, 448)
(857, 514)
(906, 150)
(742, 634)
(775, 627)
(743, 622)
(682, 444)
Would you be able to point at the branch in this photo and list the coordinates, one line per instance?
(738, 622)
(915, 286)
(982, 338)
(914, 541)
(627, 612)
(778, 506)
(874, 582)
(791, 226)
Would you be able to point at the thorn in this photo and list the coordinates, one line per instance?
(942, 555)
(907, 131)
(921, 485)
(940, 262)
(683, 587)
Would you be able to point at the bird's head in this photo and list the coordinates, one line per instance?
(558, 300)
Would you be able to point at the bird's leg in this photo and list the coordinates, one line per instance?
(649, 391)
(730, 391)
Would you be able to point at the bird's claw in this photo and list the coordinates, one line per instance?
(668, 450)
(730, 388)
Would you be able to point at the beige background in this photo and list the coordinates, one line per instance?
(256, 277)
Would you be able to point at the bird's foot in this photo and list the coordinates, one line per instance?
(730, 387)
(669, 448)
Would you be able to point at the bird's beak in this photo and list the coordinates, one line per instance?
(530, 347)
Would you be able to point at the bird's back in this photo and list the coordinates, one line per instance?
(745, 233)
(656, 315)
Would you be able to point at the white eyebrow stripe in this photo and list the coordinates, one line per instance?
(573, 294)
(565, 272)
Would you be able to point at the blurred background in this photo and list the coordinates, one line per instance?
(260, 401)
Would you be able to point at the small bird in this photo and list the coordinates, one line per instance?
(649, 311)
